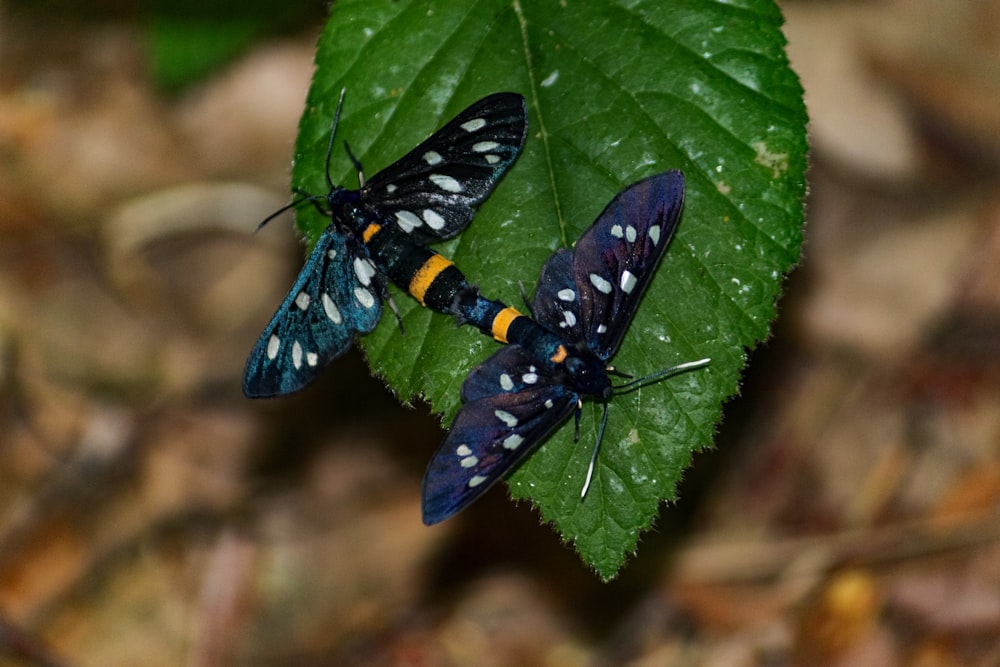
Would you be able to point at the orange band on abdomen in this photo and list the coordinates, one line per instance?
(559, 356)
(370, 231)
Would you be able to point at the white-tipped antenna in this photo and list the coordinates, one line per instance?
(333, 133)
(593, 454)
(659, 375)
(329, 181)
(629, 386)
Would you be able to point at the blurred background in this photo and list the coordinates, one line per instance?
(149, 514)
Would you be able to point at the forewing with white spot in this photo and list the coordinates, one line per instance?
(432, 191)
(614, 260)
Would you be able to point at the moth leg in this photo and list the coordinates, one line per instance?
(576, 420)
(527, 304)
(357, 164)
(395, 310)
(463, 303)
(317, 204)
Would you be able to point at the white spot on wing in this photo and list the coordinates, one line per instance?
(312, 358)
(432, 158)
(433, 219)
(273, 343)
(507, 418)
(390, 188)
(331, 253)
(602, 328)
(302, 300)
(407, 221)
(566, 294)
(331, 310)
(602, 285)
(505, 382)
(513, 441)
(628, 282)
(630, 234)
(530, 378)
(297, 355)
(364, 297)
(463, 450)
(476, 481)
(617, 232)
(364, 270)
(446, 183)
(548, 403)
(654, 234)
(484, 146)
(473, 125)
(492, 159)
(469, 461)
(569, 319)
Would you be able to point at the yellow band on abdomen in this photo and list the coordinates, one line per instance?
(425, 276)
(501, 323)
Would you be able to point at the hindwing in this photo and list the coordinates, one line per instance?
(338, 293)
(511, 405)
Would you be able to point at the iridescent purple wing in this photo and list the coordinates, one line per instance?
(510, 407)
(592, 303)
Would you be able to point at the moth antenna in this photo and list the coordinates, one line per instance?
(659, 375)
(333, 133)
(286, 207)
(628, 386)
(593, 454)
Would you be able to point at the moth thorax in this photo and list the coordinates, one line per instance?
(587, 375)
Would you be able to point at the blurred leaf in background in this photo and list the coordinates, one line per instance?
(187, 40)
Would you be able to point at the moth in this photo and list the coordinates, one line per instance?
(379, 233)
(584, 302)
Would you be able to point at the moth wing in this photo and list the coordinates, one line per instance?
(334, 297)
(511, 408)
(432, 191)
(556, 304)
(614, 259)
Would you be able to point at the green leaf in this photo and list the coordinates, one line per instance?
(616, 91)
